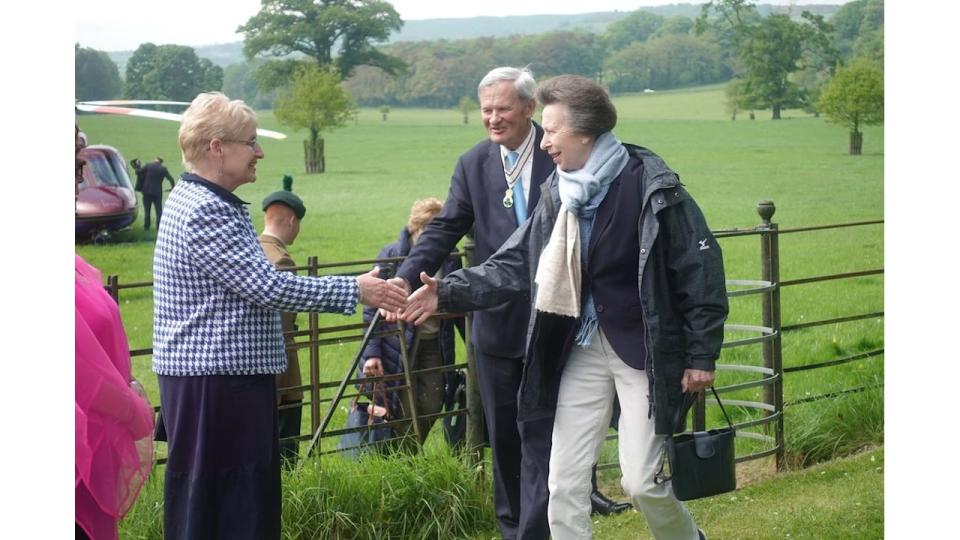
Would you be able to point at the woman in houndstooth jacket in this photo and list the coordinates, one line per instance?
(218, 342)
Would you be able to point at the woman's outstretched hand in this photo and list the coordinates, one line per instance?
(375, 292)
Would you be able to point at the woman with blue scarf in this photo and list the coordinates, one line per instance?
(628, 288)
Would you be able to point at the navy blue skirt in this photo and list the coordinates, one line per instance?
(222, 477)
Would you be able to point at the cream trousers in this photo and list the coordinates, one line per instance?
(590, 379)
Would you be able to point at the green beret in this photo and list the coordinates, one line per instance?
(286, 198)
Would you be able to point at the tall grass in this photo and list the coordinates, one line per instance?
(819, 431)
(430, 495)
(340, 499)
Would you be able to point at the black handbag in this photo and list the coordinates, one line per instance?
(702, 463)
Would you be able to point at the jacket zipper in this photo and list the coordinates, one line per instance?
(649, 361)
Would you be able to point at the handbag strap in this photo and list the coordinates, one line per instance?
(722, 409)
(688, 401)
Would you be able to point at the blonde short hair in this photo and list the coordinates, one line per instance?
(212, 115)
(422, 212)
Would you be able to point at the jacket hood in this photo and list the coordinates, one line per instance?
(656, 173)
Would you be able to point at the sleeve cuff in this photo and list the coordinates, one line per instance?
(703, 364)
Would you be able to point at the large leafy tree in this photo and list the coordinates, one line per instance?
(180, 75)
(772, 53)
(854, 98)
(95, 75)
(770, 50)
(170, 72)
(315, 102)
(138, 83)
(331, 32)
(212, 75)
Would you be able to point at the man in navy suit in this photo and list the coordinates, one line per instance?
(495, 187)
(485, 197)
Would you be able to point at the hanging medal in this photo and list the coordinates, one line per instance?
(514, 174)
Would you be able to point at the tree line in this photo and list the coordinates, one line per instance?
(640, 51)
(772, 61)
(160, 72)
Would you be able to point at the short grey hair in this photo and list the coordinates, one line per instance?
(522, 79)
(212, 115)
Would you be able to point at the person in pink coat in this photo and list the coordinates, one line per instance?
(114, 420)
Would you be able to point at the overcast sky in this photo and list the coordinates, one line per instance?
(113, 25)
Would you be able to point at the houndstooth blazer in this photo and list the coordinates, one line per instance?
(217, 299)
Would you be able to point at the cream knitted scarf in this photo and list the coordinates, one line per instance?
(558, 275)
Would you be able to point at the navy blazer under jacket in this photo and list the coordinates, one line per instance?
(611, 272)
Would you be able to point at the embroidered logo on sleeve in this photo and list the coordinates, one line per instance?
(703, 244)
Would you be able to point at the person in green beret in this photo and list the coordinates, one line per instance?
(282, 212)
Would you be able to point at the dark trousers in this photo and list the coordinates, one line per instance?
(222, 479)
(520, 451)
(148, 201)
(288, 421)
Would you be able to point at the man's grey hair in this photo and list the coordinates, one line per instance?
(521, 78)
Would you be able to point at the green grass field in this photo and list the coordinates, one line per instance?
(376, 169)
(838, 500)
(378, 498)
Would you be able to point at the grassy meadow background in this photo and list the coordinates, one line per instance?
(376, 169)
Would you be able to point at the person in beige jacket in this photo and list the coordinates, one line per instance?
(283, 211)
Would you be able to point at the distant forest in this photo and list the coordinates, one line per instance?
(652, 48)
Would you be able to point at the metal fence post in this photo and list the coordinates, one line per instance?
(474, 418)
(314, 356)
(772, 350)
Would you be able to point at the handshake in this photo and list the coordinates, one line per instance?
(394, 299)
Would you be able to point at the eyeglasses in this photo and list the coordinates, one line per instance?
(252, 143)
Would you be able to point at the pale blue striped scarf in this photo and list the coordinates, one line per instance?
(581, 192)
